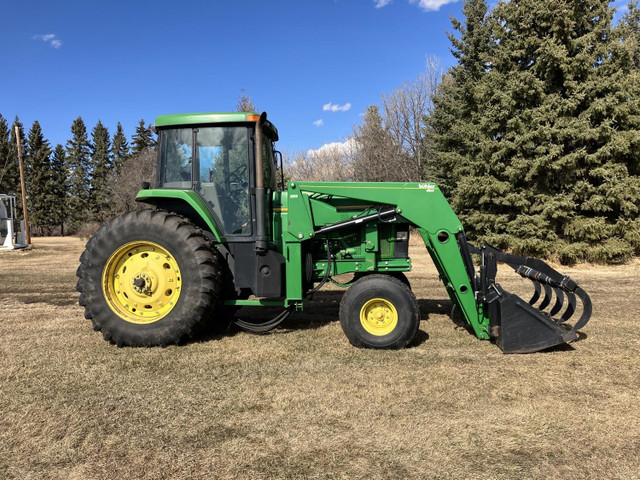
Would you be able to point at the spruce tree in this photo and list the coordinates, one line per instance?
(376, 156)
(78, 166)
(453, 131)
(610, 202)
(143, 139)
(120, 148)
(628, 32)
(59, 187)
(41, 202)
(102, 172)
(9, 175)
(548, 158)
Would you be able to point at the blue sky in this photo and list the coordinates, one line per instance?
(313, 65)
(122, 61)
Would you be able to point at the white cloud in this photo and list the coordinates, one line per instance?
(431, 5)
(346, 148)
(318, 123)
(381, 3)
(49, 38)
(330, 107)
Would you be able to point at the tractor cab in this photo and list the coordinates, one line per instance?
(226, 163)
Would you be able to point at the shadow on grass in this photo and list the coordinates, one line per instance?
(428, 307)
(53, 299)
(565, 347)
(322, 309)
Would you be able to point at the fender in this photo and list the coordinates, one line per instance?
(187, 203)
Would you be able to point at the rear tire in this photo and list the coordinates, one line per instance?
(379, 311)
(149, 278)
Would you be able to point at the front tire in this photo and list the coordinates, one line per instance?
(379, 311)
(149, 278)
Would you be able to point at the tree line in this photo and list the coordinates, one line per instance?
(86, 181)
(533, 134)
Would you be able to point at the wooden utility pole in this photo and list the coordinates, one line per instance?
(27, 234)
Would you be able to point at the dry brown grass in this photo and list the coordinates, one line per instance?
(301, 402)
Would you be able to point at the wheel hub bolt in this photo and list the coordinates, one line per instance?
(142, 284)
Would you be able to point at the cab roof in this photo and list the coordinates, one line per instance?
(183, 119)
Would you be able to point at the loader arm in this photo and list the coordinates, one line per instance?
(516, 325)
(423, 205)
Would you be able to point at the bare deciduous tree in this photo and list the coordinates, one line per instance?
(405, 112)
(245, 104)
(125, 185)
(331, 162)
(392, 141)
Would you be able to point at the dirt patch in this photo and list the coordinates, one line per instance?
(301, 402)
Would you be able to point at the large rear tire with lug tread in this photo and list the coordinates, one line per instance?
(149, 278)
(379, 311)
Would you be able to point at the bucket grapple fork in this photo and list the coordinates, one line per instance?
(519, 326)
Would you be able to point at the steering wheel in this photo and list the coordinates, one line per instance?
(238, 175)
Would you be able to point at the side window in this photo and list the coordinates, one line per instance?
(176, 150)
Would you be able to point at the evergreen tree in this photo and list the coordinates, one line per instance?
(609, 202)
(628, 32)
(59, 187)
(102, 172)
(549, 172)
(9, 174)
(78, 166)
(120, 148)
(377, 155)
(41, 202)
(453, 131)
(143, 139)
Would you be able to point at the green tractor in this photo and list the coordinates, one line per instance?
(222, 235)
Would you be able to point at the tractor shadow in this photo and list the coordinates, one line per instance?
(322, 309)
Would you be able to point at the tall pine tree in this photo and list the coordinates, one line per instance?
(547, 173)
(78, 166)
(41, 202)
(102, 171)
(120, 148)
(59, 187)
(143, 139)
(377, 156)
(628, 32)
(9, 175)
(453, 131)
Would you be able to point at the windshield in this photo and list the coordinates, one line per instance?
(220, 168)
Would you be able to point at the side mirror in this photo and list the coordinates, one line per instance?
(277, 154)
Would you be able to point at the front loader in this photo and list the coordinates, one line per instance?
(221, 235)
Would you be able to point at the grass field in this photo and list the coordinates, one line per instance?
(301, 402)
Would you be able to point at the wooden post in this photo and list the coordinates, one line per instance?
(23, 188)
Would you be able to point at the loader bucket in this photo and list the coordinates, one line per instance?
(520, 326)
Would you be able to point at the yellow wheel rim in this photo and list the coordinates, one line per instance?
(141, 282)
(378, 317)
